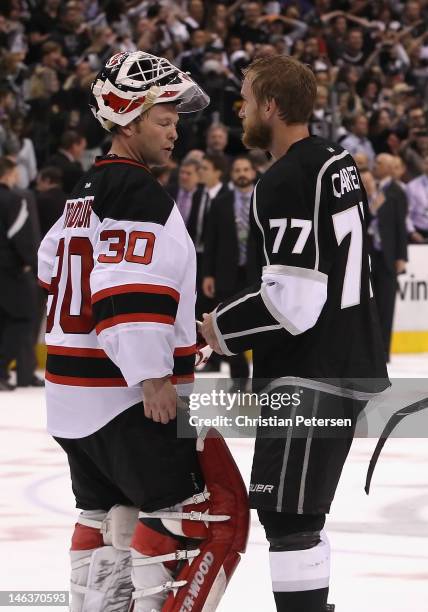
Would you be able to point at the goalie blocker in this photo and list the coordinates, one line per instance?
(182, 557)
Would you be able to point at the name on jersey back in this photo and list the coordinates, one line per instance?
(78, 212)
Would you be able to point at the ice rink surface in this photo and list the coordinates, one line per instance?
(379, 543)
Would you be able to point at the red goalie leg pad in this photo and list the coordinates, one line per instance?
(151, 543)
(209, 573)
(86, 538)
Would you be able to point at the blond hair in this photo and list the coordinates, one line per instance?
(287, 81)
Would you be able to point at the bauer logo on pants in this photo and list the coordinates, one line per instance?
(261, 488)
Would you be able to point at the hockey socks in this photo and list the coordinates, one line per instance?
(300, 578)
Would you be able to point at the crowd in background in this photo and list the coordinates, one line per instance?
(370, 59)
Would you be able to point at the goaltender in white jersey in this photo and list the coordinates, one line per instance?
(158, 512)
(140, 284)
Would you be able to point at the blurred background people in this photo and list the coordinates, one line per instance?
(50, 197)
(188, 191)
(388, 230)
(224, 265)
(68, 159)
(417, 193)
(17, 274)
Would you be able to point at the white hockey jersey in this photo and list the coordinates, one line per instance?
(120, 269)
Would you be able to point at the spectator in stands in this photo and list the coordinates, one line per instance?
(217, 139)
(196, 154)
(417, 192)
(357, 139)
(50, 197)
(43, 22)
(195, 15)
(8, 140)
(362, 161)
(192, 60)
(353, 53)
(321, 120)
(73, 33)
(369, 183)
(346, 87)
(248, 29)
(25, 156)
(336, 38)
(414, 147)
(103, 46)
(225, 256)
(45, 79)
(68, 157)
(211, 174)
(379, 126)
(389, 240)
(188, 191)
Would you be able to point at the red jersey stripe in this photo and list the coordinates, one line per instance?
(130, 162)
(75, 381)
(184, 351)
(136, 317)
(76, 351)
(43, 285)
(182, 379)
(135, 288)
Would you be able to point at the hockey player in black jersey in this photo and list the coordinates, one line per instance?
(158, 512)
(310, 321)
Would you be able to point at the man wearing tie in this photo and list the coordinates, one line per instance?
(188, 192)
(211, 174)
(225, 267)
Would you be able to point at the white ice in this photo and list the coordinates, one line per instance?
(379, 543)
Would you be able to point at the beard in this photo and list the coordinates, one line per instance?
(243, 182)
(257, 134)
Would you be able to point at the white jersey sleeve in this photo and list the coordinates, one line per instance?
(136, 291)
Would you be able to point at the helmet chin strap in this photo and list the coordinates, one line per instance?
(151, 97)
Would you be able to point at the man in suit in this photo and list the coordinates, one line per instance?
(211, 175)
(225, 265)
(417, 191)
(18, 261)
(68, 157)
(187, 192)
(389, 242)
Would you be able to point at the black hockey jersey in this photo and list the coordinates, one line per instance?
(120, 270)
(313, 315)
